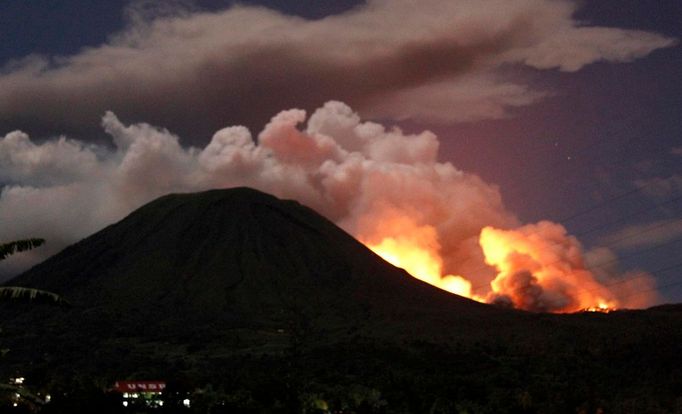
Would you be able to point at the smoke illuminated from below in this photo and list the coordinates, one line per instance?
(420, 263)
(538, 267)
(387, 188)
(541, 268)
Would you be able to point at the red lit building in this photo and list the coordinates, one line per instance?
(141, 393)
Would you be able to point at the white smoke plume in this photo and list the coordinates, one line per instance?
(377, 183)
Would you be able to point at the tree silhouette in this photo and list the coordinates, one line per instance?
(24, 293)
(8, 249)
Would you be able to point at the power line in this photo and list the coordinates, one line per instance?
(602, 204)
(640, 275)
(605, 225)
(612, 244)
(657, 288)
(629, 216)
(594, 154)
(643, 275)
(637, 253)
(625, 280)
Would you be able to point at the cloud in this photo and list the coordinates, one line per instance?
(660, 188)
(633, 288)
(346, 169)
(468, 98)
(380, 184)
(195, 72)
(55, 162)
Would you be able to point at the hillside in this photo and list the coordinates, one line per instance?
(238, 289)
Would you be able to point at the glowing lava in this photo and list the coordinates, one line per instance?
(601, 308)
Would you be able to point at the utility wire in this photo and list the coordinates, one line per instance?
(613, 243)
(606, 225)
(622, 280)
(629, 216)
(599, 205)
(629, 279)
(639, 276)
(637, 253)
(592, 155)
(639, 292)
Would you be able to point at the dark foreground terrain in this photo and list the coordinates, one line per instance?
(242, 302)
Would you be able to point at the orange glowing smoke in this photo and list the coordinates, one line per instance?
(416, 249)
(420, 263)
(539, 267)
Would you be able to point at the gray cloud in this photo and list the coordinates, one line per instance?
(196, 72)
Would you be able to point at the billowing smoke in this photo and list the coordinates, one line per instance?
(383, 186)
(541, 268)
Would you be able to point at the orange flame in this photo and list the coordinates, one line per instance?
(539, 267)
(416, 249)
(601, 308)
(420, 263)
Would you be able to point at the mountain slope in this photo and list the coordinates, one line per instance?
(237, 258)
(271, 303)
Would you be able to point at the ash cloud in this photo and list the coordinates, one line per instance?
(542, 268)
(346, 169)
(195, 72)
(358, 174)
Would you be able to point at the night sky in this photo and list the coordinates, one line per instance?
(575, 155)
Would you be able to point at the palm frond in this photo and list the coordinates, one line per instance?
(8, 249)
(30, 294)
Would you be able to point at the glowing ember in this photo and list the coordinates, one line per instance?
(602, 308)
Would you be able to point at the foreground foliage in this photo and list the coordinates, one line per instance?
(24, 293)
(251, 304)
(8, 249)
(630, 363)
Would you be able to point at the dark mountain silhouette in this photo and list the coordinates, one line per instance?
(247, 292)
(237, 268)
(240, 258)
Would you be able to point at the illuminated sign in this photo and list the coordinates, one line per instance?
(140, 386)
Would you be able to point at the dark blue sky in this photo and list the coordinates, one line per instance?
(605, 126)
(65, 26)
(617, 123)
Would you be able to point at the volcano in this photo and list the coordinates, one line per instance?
(235, 257)
(236, 269)
(245, 291)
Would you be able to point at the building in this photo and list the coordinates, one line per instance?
(141, 393)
